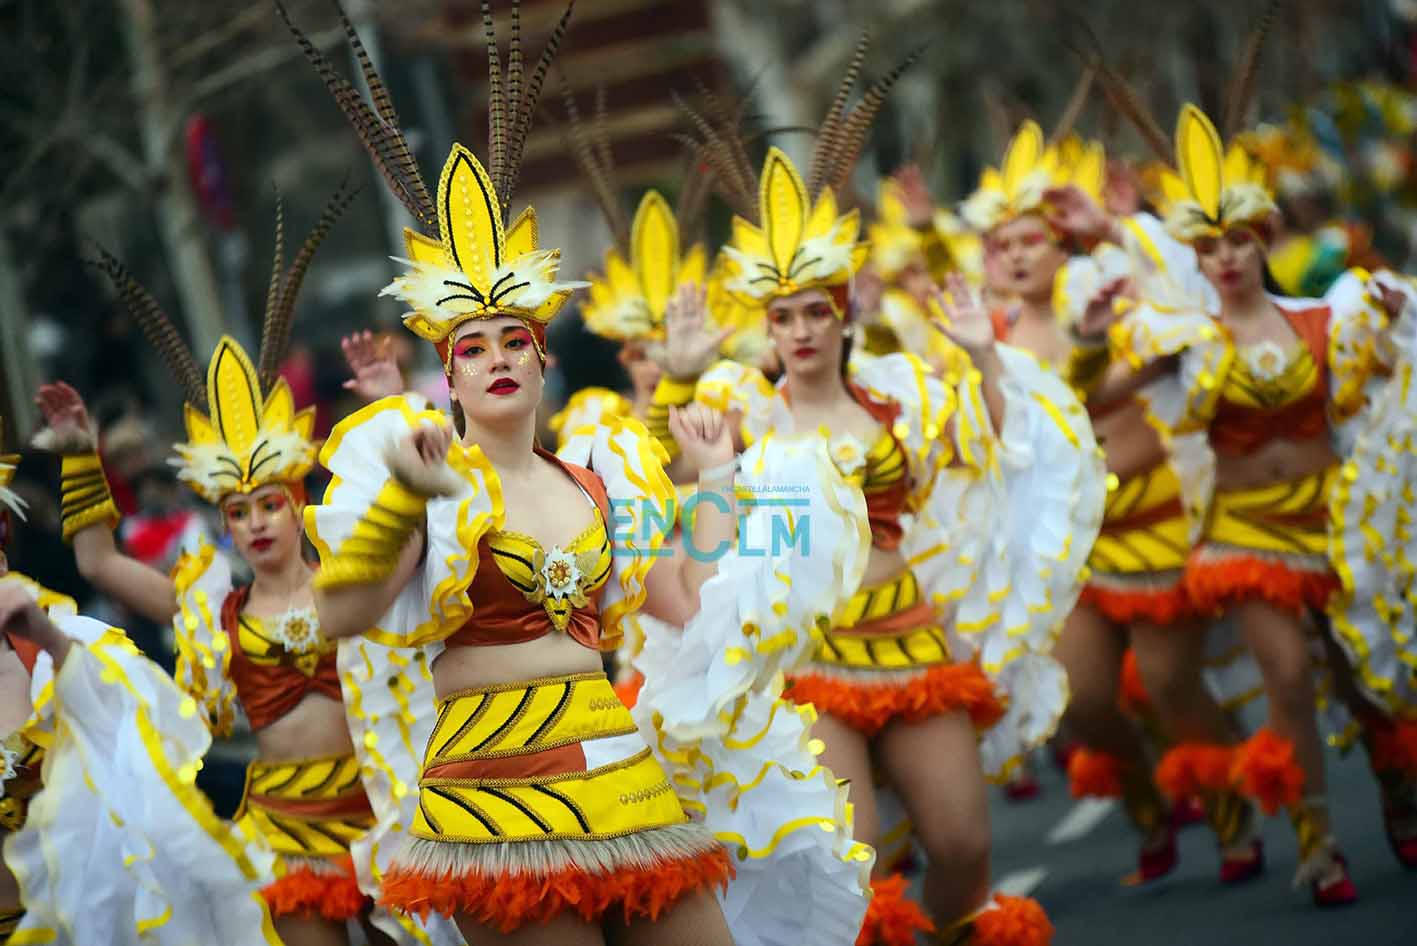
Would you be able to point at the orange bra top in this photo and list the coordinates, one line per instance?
(523, 592)
(1261, 403)
(882, 475)
(272, 675)
(28, 758)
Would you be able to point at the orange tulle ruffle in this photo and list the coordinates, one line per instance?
(1264, 770)
(1014, 921)
(306, 893)
(1195, 768)
(511, 901)
(892, 918)
(628, 689)
(1214, 583)
(1159, 606)
(1392, 746)
(867, 707)
(1094, 774)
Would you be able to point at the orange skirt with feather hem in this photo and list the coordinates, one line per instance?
(540, 798)
(891, 661)
(309, 811)
(1268, 543)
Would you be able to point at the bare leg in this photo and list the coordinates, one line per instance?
(934, 765)
(1281, 648)
(693, 921)
(564, 930)
(1171, 660)
(1090, 650)
(311, 931)
(849, 757)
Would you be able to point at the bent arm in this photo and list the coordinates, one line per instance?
(139, 587)
(348, 609)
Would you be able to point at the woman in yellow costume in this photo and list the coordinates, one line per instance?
(945, 636)
(255, 645)
(106, 837)
(1041, 205)
(1306, 514)
(541, 814)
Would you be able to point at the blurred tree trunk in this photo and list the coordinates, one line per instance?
(16, 367)
(174, 205)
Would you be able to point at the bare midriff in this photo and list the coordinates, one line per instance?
(553, 655)
(315, 727)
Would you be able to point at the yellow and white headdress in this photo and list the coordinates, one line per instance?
(470, 261)
(895, 244)
(628, 299)
(9, 462)
(1215, 189)
(1030, 169)
(242, 426)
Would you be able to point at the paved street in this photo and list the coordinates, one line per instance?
(1070, 855)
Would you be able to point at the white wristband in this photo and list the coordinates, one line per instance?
(722, 471)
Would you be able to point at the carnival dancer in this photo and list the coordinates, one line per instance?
(1035, 212)
(916, 665)
(98, 759)
(255, 645)
(1306, 514)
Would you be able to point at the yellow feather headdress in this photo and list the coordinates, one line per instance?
(894, 242)
(8, 463)
(1029, 170)
(478, 268)
(1212, 189)
(628, 299)
(799, 244)
(248, 440)
(242, 426)
(471, 261)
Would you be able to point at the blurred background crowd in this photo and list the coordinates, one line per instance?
(164, 132)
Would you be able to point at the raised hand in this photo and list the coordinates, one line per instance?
(915, 195)
(420, 460)
(705, 438)
(690, 344)
(967, 321)
(1101, 310)
(1072, 211)
(68, 427)
(371, 361)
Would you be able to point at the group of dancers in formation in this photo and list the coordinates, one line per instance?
(883, 511)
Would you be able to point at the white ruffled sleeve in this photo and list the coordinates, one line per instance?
(1372, 543)
(202, 580)
(739, 754)
(147, 861)
(434, 603)
(732, 387)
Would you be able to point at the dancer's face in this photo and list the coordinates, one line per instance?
(1234, 262)
(806, 332)
(496, 372)
(264, 525)
(1021, 257)
(643, 371)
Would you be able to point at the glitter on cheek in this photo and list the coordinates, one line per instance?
(469, 371)
(523, 359)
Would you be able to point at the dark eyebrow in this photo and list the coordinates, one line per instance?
(515, 328)
(463, 338)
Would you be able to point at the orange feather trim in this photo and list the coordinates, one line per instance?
(1094, 774)
(510, 901)
(1162, 607)
(1392, 746)
(1015, 921)
(1195, 768)
(628, 689)
(1265, 770)
(1214, 583)
(305, 893)
(869, 706)
(892, 919)
(1134, 698)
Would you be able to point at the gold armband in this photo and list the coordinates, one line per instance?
(1086, 366)
(668, 393)
(84, 497)
(371, 553)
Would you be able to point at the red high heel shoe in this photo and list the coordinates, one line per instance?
(1239, 870)
(1023, 787)
(1336, 893)
(1155, 864)
(1405, 849)
(1188, 811)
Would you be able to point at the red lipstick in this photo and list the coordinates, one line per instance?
(503, 386)
(805, 351)
(261, 545)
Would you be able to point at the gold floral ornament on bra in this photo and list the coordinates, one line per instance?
(562, 583)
